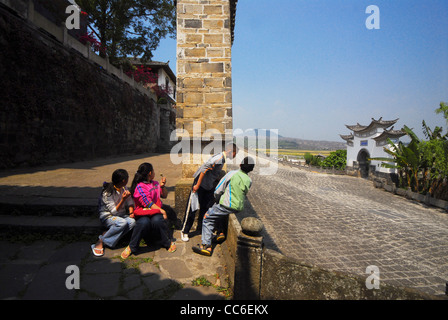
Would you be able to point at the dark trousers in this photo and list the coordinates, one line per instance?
(206, 199)
(150, 228)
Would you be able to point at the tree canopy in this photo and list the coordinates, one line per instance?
(130, 27)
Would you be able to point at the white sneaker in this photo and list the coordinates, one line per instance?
(184, 237)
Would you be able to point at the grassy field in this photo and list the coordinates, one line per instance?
(297, 153)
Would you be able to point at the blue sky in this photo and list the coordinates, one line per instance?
(309, 67)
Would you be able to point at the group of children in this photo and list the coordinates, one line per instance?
(141, 210)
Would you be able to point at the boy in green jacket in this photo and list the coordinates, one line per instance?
(231, 191)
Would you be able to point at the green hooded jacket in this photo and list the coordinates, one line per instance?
(232, 190)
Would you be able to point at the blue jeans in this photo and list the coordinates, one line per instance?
(117, 228)
(213, 219)
(150, 228)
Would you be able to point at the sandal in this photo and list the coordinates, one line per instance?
(172, 247)
(220, 237)
(126, 253)
(203, 249)
(97, 252)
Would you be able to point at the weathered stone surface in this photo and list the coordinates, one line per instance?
(183, 188)
(252, 226)
(204, 65)
(345, 224)
(68, 108)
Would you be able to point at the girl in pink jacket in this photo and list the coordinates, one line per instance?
(151, 218)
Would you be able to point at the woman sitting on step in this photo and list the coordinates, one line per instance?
(114, 204)
(151, 218)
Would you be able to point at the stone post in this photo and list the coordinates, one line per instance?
(204, 84)
(248, 260)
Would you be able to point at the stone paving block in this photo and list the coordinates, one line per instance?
(157, 282)
(147, 269)
(102, 266)
(138, 293)
(131, 281)
(197, 293)
(72, 253)
(38, 251)
(104, 285)
(14, 278)
(8, 250)
(50, 284)
(175, 268)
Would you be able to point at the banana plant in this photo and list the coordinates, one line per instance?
(405, 159)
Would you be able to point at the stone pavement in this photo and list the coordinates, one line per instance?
(37, 270)
(340, 223)
(78, 183)
(343, 223)
(60, 203)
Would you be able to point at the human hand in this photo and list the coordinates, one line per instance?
(163, 212)
(163, 182)
(126, 194)
(195, 188)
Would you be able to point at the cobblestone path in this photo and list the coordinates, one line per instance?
(344, 224)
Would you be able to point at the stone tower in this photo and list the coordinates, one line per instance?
(204, 70)
(204, 77)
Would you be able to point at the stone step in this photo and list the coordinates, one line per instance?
(52, 215)
(50, 224)
(43, 206)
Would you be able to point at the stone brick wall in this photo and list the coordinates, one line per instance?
(204, 75)
(57, 106)
(204, 65)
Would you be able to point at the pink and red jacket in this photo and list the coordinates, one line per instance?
(145, 195)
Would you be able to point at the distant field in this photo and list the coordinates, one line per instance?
(296, 153)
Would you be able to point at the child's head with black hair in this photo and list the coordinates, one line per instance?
(247, 165)
(231, 150)
(119, 180)
(141, 175)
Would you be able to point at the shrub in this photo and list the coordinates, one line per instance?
(336, 159)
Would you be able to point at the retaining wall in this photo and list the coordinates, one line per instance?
(61, 102)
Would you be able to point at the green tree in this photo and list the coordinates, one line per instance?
(337, 159)
(435, 155)
(443, 109)
(432, 134)
(424, 164)
(308, 157)
(406, 159)
(131, 27)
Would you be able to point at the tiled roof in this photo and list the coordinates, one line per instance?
(391, 134)
(380, 123)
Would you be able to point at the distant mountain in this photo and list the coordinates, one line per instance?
(256, 133)
(289, 143)
(300, 144)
